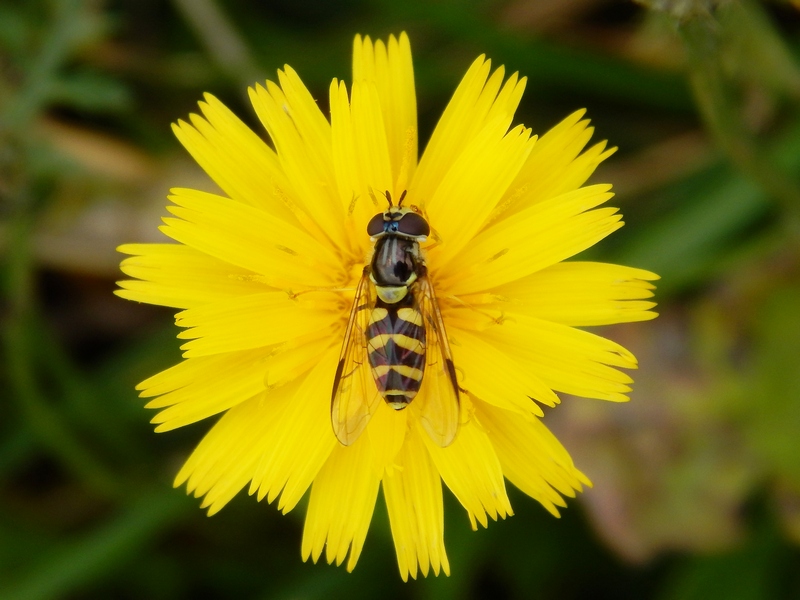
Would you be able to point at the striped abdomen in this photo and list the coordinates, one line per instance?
(396, 346)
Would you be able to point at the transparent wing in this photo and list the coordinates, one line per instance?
(440, 410)
(355, 397)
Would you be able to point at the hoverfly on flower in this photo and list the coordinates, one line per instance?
(395, 331)
(499, 212)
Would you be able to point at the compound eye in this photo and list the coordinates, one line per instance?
(414, 225)
(375, 225)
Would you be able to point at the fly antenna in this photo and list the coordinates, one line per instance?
(389, 198)
(402, 197)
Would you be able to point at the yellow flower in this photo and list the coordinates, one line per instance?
(265, 277)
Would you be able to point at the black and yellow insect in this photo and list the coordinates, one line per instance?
(395, 339)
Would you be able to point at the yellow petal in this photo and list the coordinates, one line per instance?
(360, 153)
(303, 145)
(579, 294)
(566, 359)
(306, 115)
(556, 165)
(497, 377)
(201, 387)
(180, 375)
(291, 359)
(531, 456)
(341, 505)
(472, 107)
(236, 158)
(251, 321)
(301, 438)
(343, 144)
(389, 67)
(284, 256)
(472, 187)
(369, 136)
(472, 471)
(217, 383)
(181, 277)
(536, 238)
(414, 502)
(387, 432)
(227, 457)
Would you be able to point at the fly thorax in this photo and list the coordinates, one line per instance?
(395, 267)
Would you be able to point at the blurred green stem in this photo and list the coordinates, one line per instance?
(81, 399)
(15, 447)
(701, 37)
(218, 34)
(44, 422)
(66, 28)
(543, 61)
(90, 558)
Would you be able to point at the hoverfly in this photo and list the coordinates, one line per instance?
(395, 335)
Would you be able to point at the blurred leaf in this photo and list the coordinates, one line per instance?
(72, 25)
(682, 9)
(683, 245)
(20, 544)
(705, 219)
(91, 92)
(744, 574)
(82, 404)
(543, 62)
(715, 92)
(98, 153)
(756, 48)
(141, 357)
(774, 393)
(14, 448)
(669, 473)
(14, 29)
(95, 555)
(787, 505)
(221, 39)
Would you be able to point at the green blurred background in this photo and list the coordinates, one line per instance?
(697, 480)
